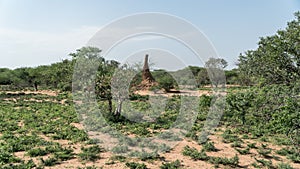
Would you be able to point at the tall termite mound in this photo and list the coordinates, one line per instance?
(147, 78)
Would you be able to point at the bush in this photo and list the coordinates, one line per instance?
(51, 161)
(194, 153)
(209, 146)
(284, 166)
(243, 151)
(134, 165)
(171, 165)
(90, 153)
(37, 152)
(234, 161)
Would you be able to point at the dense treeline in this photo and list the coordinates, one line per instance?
(58, 76)
(54, 76)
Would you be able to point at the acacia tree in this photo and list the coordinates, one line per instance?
(5, 76)
(91, 58)
(120, 85)
(202, 78)
(103, 81)
(277, 58)
(215, 71)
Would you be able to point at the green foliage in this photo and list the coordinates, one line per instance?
(194, 153)
(141, 131)
(51, 161)
(165, 80)
(233, 162)
(236, 144)
(264, 151)
(284, 166)
(23, 165)
(171, 165)
(37, 152)
(144, 155)
(64, 154)
(277, 58)
(243, 151)
(232, 77)
(229, 137)
(138, 97)
(6, 158)
(6, 76)
(90, 167)
(264, 163)
(204, 105)
(134, 165)
(215, 71)
(209, 146)
(90, 153)
(272, 109)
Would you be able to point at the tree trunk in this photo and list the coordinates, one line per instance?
(35, 85)
(118, 110)
(109, 105)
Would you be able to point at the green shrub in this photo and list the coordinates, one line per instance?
(209, 146)
(264, 151)
(64, 154)
(51, 161)
(6, 158)
(194, 153)
(284, 166)
(143, 155)
(234, 161)
(134, 165)
(37, 152)
(265, 163)
(243, 151)
(236, 144)
(229, 137)
(171, 165)
(251, 145)
(90, 153)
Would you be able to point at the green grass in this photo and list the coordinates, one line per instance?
(134, 165)
(171, 165)
(37, 128)
(90, 153)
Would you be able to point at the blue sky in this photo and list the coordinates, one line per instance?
(35, 32)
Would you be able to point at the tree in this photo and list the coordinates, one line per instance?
(232, 76)
(277, 58)
(202, 78)
(165, 80)
(120, 86)
(215, 71)
(217, 63)
(34, 77)
(103, 81)
(91, 58)
(5, 76)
